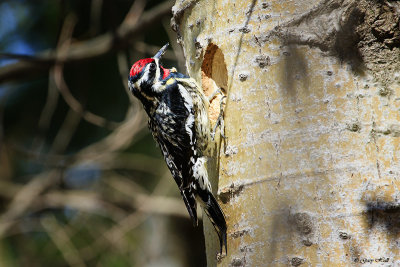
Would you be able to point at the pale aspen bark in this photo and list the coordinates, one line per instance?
(309, 172)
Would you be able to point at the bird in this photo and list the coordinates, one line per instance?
(178, 119)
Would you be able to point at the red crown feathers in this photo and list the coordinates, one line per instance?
(139, 65)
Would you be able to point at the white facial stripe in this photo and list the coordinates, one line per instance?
(158, 86)
(145, 77)
(158, 73)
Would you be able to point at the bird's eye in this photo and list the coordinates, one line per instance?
(152, 66)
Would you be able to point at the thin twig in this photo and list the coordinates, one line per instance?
(95, 16)
(61, 239)
(65, 133)
(47, 112)
(134, 13)
(79, 200)
(123, 71)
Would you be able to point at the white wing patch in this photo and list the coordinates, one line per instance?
(189, 106)
(200, 105)
(200, 174)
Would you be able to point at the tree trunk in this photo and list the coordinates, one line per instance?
(309, 171)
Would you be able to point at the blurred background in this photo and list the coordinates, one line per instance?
(82, 182)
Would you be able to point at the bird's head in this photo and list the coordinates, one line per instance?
(146, 72)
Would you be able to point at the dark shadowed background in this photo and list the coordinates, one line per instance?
(82, 182)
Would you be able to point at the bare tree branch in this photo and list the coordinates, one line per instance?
(63, 47)
(134, 13)
(89, 49)
(75, 105)
(84, 201)
(119, 139)
(66, 132)
(25, 197)
(88, 201)
(123, 71)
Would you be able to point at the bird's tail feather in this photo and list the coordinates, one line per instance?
(190, 202)
(217, 218)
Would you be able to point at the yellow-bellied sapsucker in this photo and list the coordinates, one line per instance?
(178, 120)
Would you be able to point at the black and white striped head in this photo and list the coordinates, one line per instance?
(145, 73)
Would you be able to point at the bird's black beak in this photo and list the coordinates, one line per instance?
(161, 52)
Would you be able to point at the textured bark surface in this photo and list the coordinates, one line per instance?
(309, 172)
